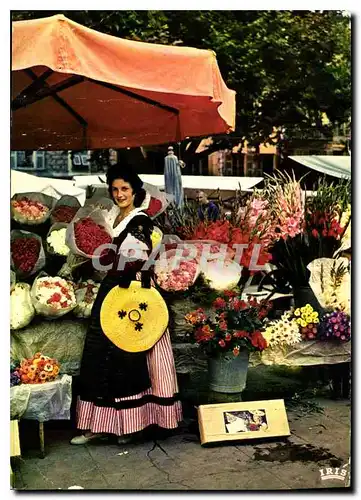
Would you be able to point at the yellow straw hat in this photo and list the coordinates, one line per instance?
(134, 318)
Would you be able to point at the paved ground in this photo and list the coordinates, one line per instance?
(178, 462)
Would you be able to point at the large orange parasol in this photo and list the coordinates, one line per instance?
(76, 88)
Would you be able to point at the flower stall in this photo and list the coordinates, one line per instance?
(207, 271)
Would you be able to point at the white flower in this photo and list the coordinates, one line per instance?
(56, 240)
(284, 331)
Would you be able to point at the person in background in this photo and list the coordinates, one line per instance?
(207, 210)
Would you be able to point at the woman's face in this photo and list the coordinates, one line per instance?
(122, 193)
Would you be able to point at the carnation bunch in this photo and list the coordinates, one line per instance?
(38, 369)
(176, 276)
(284, 331)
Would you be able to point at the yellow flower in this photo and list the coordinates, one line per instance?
(297, 312)
(303, 309)
(303, 323)
(299, 321)
(309, 308)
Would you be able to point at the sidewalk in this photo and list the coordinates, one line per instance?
(178, 462)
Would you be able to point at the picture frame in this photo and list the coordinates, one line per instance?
(242, 421)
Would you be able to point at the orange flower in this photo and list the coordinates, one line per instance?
(236, 351)
(32, 368)
(55, 370)
(43, 375)
(31, 375)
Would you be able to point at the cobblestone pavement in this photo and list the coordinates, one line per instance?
(178, 461)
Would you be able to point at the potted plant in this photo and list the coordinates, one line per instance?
(227, 335)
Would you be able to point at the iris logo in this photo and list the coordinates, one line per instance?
(339, 473)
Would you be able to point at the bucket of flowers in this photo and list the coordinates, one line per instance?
(228, 335)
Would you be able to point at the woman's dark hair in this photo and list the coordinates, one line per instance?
(125, 172)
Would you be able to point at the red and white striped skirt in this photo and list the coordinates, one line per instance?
(166, 412)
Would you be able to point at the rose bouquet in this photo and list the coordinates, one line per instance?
(27, 253)
(63, 213)
(53, 296)
(38, 369)
(31, 208)
(234, 325)
(88, 231)
(65, 209)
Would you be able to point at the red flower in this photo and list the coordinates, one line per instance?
(258, 340)
(219, 303)
(236, 351)
(324, 233)
(223, 325)
(56, 297)
(203, 334)
(314, 233)
(222, 343)
(241, 334)
(155, 206)
(230, 293)
(228, 337)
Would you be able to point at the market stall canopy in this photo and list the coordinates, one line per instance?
(193, 182)
(21, 182)
(336, 166)
(76, 88)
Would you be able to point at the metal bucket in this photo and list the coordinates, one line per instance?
(228, 375)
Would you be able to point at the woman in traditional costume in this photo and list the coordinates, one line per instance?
(122, 392)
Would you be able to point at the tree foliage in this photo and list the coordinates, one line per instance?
(291, 69)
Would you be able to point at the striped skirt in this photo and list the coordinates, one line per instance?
(157, 405)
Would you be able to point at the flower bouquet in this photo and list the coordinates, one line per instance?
(234, 325)
(173, 273)
(38, 369)
(21, 308)
(306, 229)
(156, 201)
(31, 208)
(88, 231)
(85, 294)
(15, 378)
(27, 253)
(283, 332)
(65, 209)
(56, 240)
(307, 319)
(335, 325)
(53, 296)
(330, 281)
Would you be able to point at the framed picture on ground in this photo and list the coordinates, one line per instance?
(241, 421)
